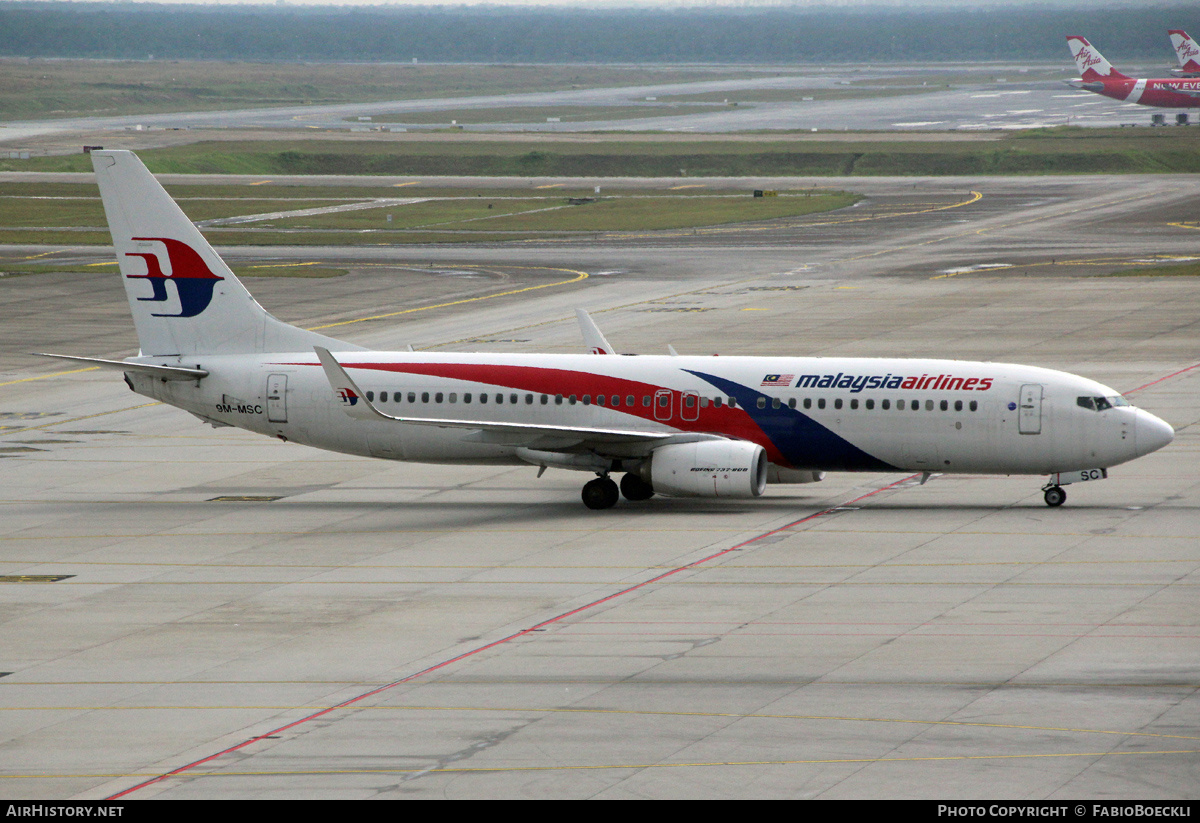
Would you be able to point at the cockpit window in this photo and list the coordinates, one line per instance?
(1101, 403)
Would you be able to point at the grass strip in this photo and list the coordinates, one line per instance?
(1190, 269)
(1041, 151)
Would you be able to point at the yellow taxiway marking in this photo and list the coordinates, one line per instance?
(696, 186)
(1008, 685)
(632, 712)
(551, 186)
(402, 185)
(735, 583)
(580, 275)
(73, 419)
(1150, 259)
(261, 182)
(158, 564)
(48, 376)
(192, 775)
(995, 229)
(974, 198)
(755, 309)
(284, 265)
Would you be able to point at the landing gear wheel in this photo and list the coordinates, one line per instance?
(635, 488)
(600, 493)
(1055, 496)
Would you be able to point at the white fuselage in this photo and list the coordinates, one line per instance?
(820, 414)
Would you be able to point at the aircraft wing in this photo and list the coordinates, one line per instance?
(355, 404)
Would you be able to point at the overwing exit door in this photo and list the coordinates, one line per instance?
(662, 404)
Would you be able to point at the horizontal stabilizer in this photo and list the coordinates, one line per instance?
(163, 372)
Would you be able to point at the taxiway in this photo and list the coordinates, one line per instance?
(198, 613)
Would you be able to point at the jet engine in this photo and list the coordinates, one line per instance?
(775, 474)
(709, 468)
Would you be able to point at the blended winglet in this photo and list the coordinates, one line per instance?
(354, 401)
(593, 338)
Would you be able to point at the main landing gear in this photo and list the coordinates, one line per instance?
(602, 492)
(1054, 495)
(635, 488)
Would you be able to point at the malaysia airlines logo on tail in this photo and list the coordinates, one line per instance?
(194, 281)
(348, 396)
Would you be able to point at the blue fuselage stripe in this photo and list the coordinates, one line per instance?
(804, 443)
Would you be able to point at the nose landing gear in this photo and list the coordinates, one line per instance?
(1053, 492)
(1054, 495)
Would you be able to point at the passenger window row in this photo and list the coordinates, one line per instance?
(689, 401)
(499, 398)
(869, 404)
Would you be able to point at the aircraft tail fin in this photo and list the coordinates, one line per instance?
(1186, 49)
(184, 299)
(1091, 63)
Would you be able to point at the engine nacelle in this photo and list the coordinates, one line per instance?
(709, 468)
(775, 474)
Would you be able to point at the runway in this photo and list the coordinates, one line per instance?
(900, 98)
(241, 617)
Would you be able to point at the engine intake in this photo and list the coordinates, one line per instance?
(709, 468)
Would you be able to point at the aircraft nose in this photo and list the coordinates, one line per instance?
(1152, 433)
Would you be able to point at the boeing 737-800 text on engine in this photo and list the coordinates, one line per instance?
(673, 425)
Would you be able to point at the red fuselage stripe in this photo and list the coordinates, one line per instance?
(732, 422)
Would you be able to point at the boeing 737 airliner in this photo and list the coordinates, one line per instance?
(673, 425)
